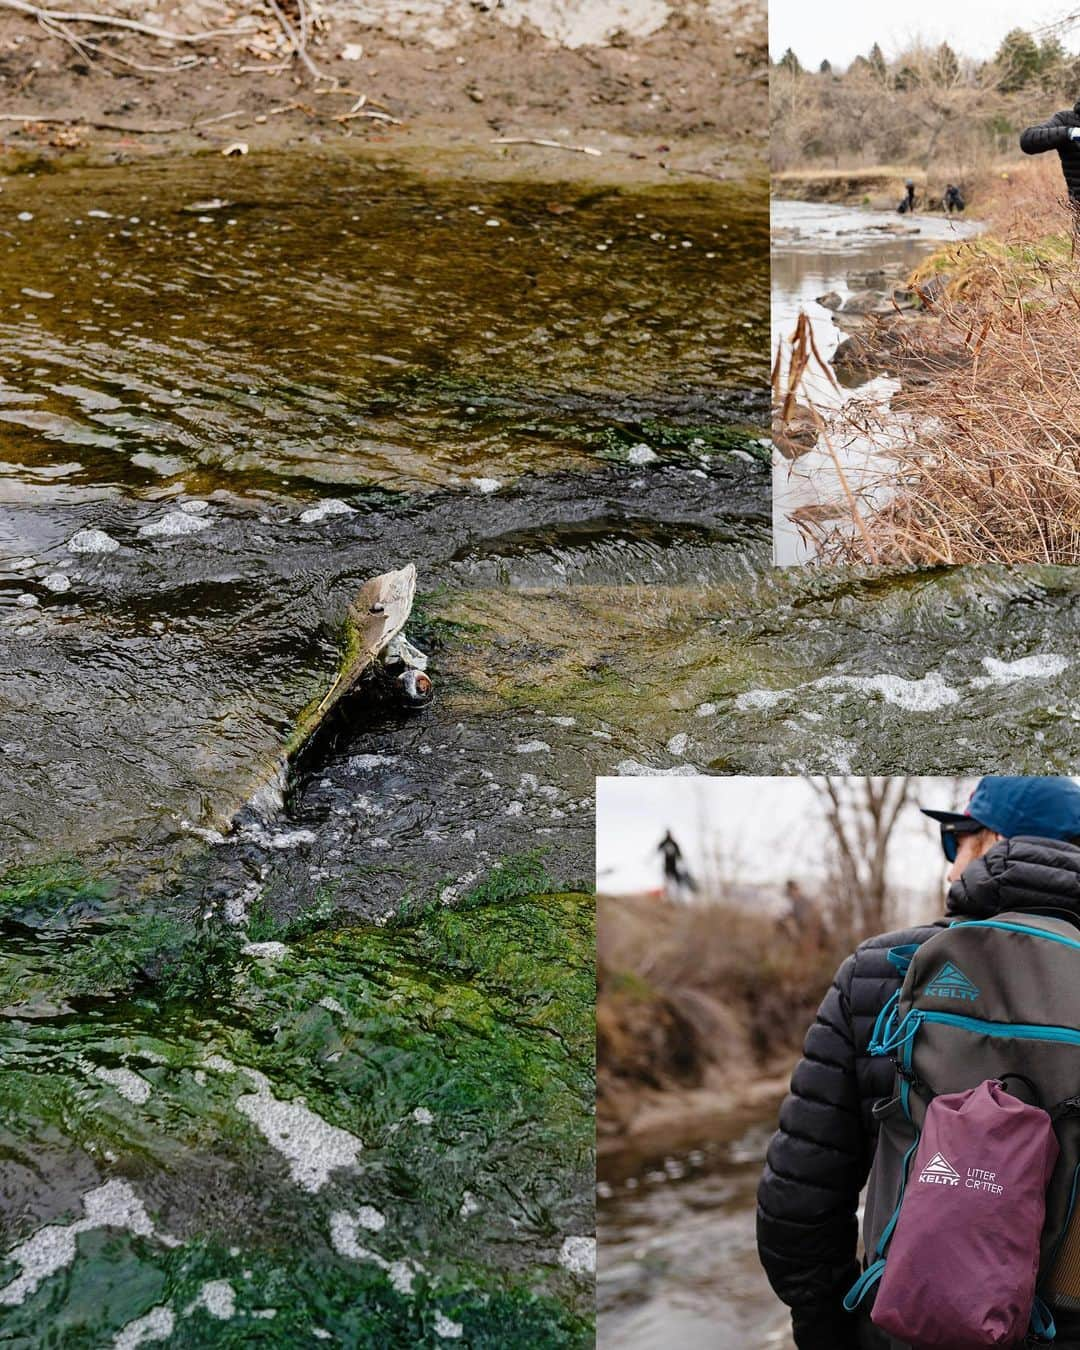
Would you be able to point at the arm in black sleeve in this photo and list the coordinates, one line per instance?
(1049, 135)
(816, 1165)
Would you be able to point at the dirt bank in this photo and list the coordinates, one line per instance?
(700, 1014)
(880, 187)
(659, 90)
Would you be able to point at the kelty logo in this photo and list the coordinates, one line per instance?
(940, 1172)
(951, 982)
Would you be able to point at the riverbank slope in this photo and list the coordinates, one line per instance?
(992, 474)
(658, 90)
(701, 1011)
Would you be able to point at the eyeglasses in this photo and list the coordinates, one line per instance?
(950, 833)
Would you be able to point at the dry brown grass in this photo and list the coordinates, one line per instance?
(685, 986)
(989, 467)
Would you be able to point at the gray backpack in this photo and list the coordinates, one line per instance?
(984, 999)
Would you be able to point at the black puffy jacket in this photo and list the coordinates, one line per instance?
(819, 1158)
(1054, 135)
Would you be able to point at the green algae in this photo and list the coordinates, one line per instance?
(51, 894)
(459, 1050)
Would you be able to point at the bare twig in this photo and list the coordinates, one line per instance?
(72, 120)
(115, 21)
(369, 113)
(298, 41)
(548, 145)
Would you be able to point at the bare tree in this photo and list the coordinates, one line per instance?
(862, 815)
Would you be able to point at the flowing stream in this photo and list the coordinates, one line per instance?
(678, 1260)
(818, 249)
(326, 1073)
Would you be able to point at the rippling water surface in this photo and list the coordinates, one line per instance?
(678, 1257)
(325, 1071)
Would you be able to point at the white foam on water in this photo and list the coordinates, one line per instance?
(578, 1255)
(1041, 666)
(641, 454)
(311, 1146)
(92, 541)
(332, 506)
(158, 1324)
(925, 695)
(279, 840)
(449, 894)
(218, 1298)
(210, 836)
(343, 1238)
(220, 1064)
(343, 1234)
(487, 484)
(113, 1205)
(678, 744)
(272, 951)
(128, 1083)
(365, 762)
(755, 700)
(236, 906)
(450, 1331)
(632, 768)
(402, 1274)
(175, 523)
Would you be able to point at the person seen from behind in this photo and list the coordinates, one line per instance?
(1016, 847)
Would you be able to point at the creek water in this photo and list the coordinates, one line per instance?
(677, 1256)
(327, 1074)
(818, 248)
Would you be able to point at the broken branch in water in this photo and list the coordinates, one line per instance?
(549, 145)
(115, 21)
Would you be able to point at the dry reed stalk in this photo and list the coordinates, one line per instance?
(988, 466)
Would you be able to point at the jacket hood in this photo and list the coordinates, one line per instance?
(1020, 873)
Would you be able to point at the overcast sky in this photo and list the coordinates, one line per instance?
(759, 830)
(842, 29)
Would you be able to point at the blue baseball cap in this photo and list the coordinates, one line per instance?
(1048, 808)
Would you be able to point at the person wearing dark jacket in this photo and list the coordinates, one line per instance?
(1061, 133)
(1014, 847)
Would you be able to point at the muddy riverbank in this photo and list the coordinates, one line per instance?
(662, 92)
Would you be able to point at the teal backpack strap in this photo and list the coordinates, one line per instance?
(900, 957)
(864, 1284)
(1042, 1321)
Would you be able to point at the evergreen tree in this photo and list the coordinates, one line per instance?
(790, 62)
(1017, 61)
(825, 68)
(876, 60)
